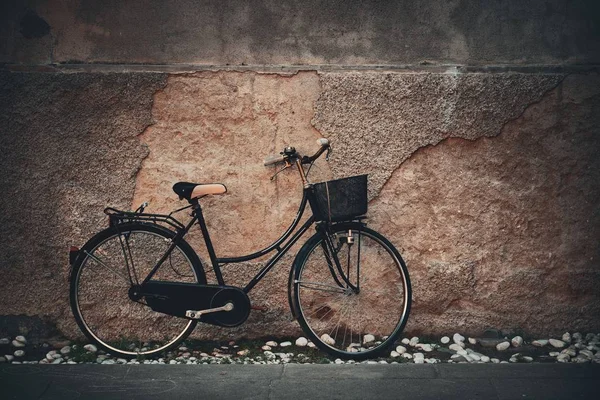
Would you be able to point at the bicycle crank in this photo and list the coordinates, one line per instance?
(197, 314)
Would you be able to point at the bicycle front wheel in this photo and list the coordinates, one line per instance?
(102, 289)
(357, 307)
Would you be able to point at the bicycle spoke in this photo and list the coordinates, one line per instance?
(323, 316)
(93, 257)
(321, 286)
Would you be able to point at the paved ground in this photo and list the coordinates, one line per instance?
(293, 381)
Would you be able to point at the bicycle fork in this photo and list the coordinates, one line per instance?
(333, 261)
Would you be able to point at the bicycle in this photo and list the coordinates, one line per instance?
(137, 288)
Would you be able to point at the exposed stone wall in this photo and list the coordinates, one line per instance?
(68, 149)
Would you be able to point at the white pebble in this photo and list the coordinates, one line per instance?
(558, 344)
(540, 342)
(517, 341)
(587, 353)
(394, 354)
(368, 339)
(472, 340)
(455, 347)
(16, 343)
(65, 350)
(570, 351)
(566, 337)
(50, 355)
(90, 348)
(563, 358)
(9, 357)
(502, 346)
(425, 347)
(311, 345)
(301, 342)
(266, 348)
(408, 356)
(271, 343)
(405, 341)
(413, 342)
(401, 349)
(285, 344)
(4, 341)
(445, 340)
(327, 339)
(19, 353)
(495, 360)
(458, 338)
(485, 359)
(21, 339)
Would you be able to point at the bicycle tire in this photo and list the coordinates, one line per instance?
(325, 301)
(99, 291)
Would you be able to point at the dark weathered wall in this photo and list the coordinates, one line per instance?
(486, 177)
(350, 32)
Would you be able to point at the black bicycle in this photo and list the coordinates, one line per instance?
(138, 288)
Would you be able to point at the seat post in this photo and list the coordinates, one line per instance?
(209, 246)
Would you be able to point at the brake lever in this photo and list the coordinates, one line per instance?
(287, 165)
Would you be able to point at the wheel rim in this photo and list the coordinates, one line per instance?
(379, 308)
(103, 301)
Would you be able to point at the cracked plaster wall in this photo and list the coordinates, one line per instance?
(487, 183)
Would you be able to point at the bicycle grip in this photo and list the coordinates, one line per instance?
(323, 142)
(273, 159)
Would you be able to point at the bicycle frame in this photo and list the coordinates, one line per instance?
(279, 246)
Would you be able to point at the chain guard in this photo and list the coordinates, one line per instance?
(175, 298)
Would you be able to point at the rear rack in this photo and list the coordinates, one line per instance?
(116, 217)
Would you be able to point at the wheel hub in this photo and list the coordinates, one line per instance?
(135, 292)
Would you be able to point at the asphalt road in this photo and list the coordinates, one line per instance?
(293, 381)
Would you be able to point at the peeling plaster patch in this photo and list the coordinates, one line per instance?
(378, 120)
(218, 127)
(520, 209)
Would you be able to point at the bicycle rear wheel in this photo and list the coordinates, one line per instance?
(102, 289)
(357, 309)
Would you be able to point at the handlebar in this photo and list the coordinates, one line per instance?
(274, 159)
(290, 153)
(324, 143)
